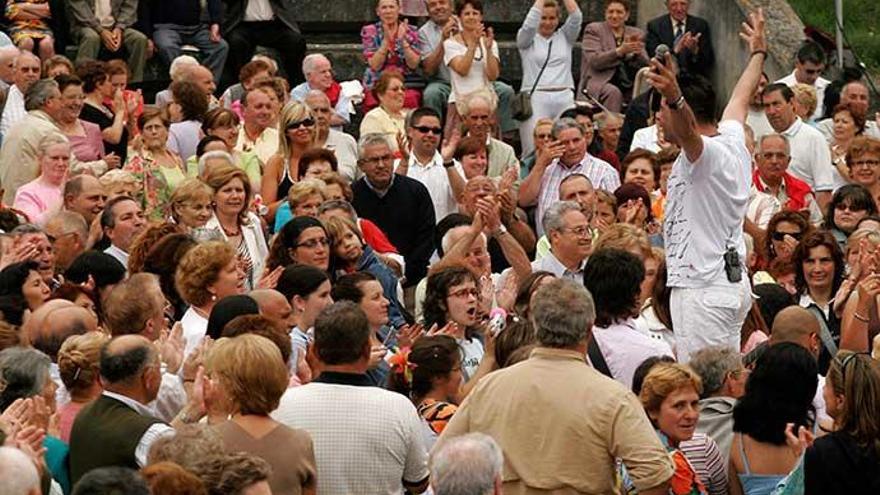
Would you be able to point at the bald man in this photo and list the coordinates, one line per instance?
(25, 73)
(7, 66)
(274, 306)
(131, 374)
(341, 144)
(18, 472)
(797, 325)
(68, 233)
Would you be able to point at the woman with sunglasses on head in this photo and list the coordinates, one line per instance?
(846, 459)
(849, 204)
(297, 135)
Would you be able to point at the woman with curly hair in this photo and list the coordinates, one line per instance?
(784, 231)
(452, 301)
(430, 375)
(145, 240)
(207, 273)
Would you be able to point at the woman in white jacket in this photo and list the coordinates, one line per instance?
(539, 42)
(232, 218)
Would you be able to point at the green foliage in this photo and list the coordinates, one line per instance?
(860, 24)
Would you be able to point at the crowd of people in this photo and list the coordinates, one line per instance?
(600, 283)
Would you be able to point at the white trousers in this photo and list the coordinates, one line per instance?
(545, 104)
(708, 316)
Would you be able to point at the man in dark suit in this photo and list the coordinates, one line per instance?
(687, 36)
(270, 23)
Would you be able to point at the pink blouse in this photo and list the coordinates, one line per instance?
(90, 147)
(38, 200)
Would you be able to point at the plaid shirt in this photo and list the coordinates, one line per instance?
(600, 173)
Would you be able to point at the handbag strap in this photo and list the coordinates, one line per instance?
(546, 61)
(596, 358)
(824, 333)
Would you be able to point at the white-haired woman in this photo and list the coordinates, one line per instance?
(42, 197)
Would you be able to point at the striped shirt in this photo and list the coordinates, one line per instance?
(601, 174)
(703, 454)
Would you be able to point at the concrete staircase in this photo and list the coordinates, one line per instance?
(333, 28)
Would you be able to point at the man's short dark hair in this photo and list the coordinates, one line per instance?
(614, 277)
(784, 90)
(341, 333)
(420, 113)
(700, 96)
(573, 112)
(108, 219)
(811, 52)
(112, 481)
(125, 366)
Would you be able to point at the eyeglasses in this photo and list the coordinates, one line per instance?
(463, 293)
(769, 155)
(780, 236)
(543, 136)
(308, 122)
(845, 361)
(851, 208)
(378, 159)
(865, 163)
(425, 130)
(580, 231)
(313, 243)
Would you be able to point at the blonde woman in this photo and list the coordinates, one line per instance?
(78, 365)
(190, 204)
(303, 200)
(297, 134)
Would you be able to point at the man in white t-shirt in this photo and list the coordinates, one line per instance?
(808, 68)
(707, 195)
(349, 419)
(810, 154)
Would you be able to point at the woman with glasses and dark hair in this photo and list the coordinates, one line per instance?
(846, 459)
(849, 204)
(302, 241)
(819, 272)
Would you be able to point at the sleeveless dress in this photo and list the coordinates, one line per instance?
(755, 484)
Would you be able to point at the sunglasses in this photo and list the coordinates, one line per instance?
(309, 122)
(780, 236)
(425, 130)
(845, 361)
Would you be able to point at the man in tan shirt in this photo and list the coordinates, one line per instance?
(561, 424)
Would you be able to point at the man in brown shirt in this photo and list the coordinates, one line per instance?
(561, 424)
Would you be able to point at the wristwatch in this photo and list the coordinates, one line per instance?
(675, 105)
(501, 230)
(449, 164)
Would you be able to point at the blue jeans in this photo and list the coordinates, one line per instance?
(170, 37)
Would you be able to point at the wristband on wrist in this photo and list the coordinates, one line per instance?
(675, 105)
(863, 319)
(756, 52)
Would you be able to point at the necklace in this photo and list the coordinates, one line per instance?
(230, 232)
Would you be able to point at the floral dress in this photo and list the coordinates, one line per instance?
(26, 28)
(372, 37)
(154, 191)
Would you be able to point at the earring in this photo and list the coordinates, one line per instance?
(213, 297)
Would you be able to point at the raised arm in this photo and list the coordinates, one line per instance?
(526, 34)
(753, 33)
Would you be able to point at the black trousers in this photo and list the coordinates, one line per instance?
(246, 36)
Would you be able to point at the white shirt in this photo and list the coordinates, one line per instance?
(14, 110)
(152, 434)
(624, 348)
(366, 439)
(345, 148)
(119, 254)
(471, 354)
(195, 326)
(476, 78)
(646, 139)
(258, 10)
(820, 85)
(810, 156)
(551, 263)
(601, 174)
(533, 51)
(757, 120)
(705, 206)
(435, 179)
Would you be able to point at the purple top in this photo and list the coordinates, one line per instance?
(90, 147)
(372, 37)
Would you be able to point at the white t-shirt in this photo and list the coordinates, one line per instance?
(476, 77)
(705, 206)
(810, 156)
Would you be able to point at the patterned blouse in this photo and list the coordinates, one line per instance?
(154, 191)
(372, 37)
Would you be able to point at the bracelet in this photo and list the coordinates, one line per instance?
(756, 52)
(859, 317)
(675, 105)
(449, 164)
